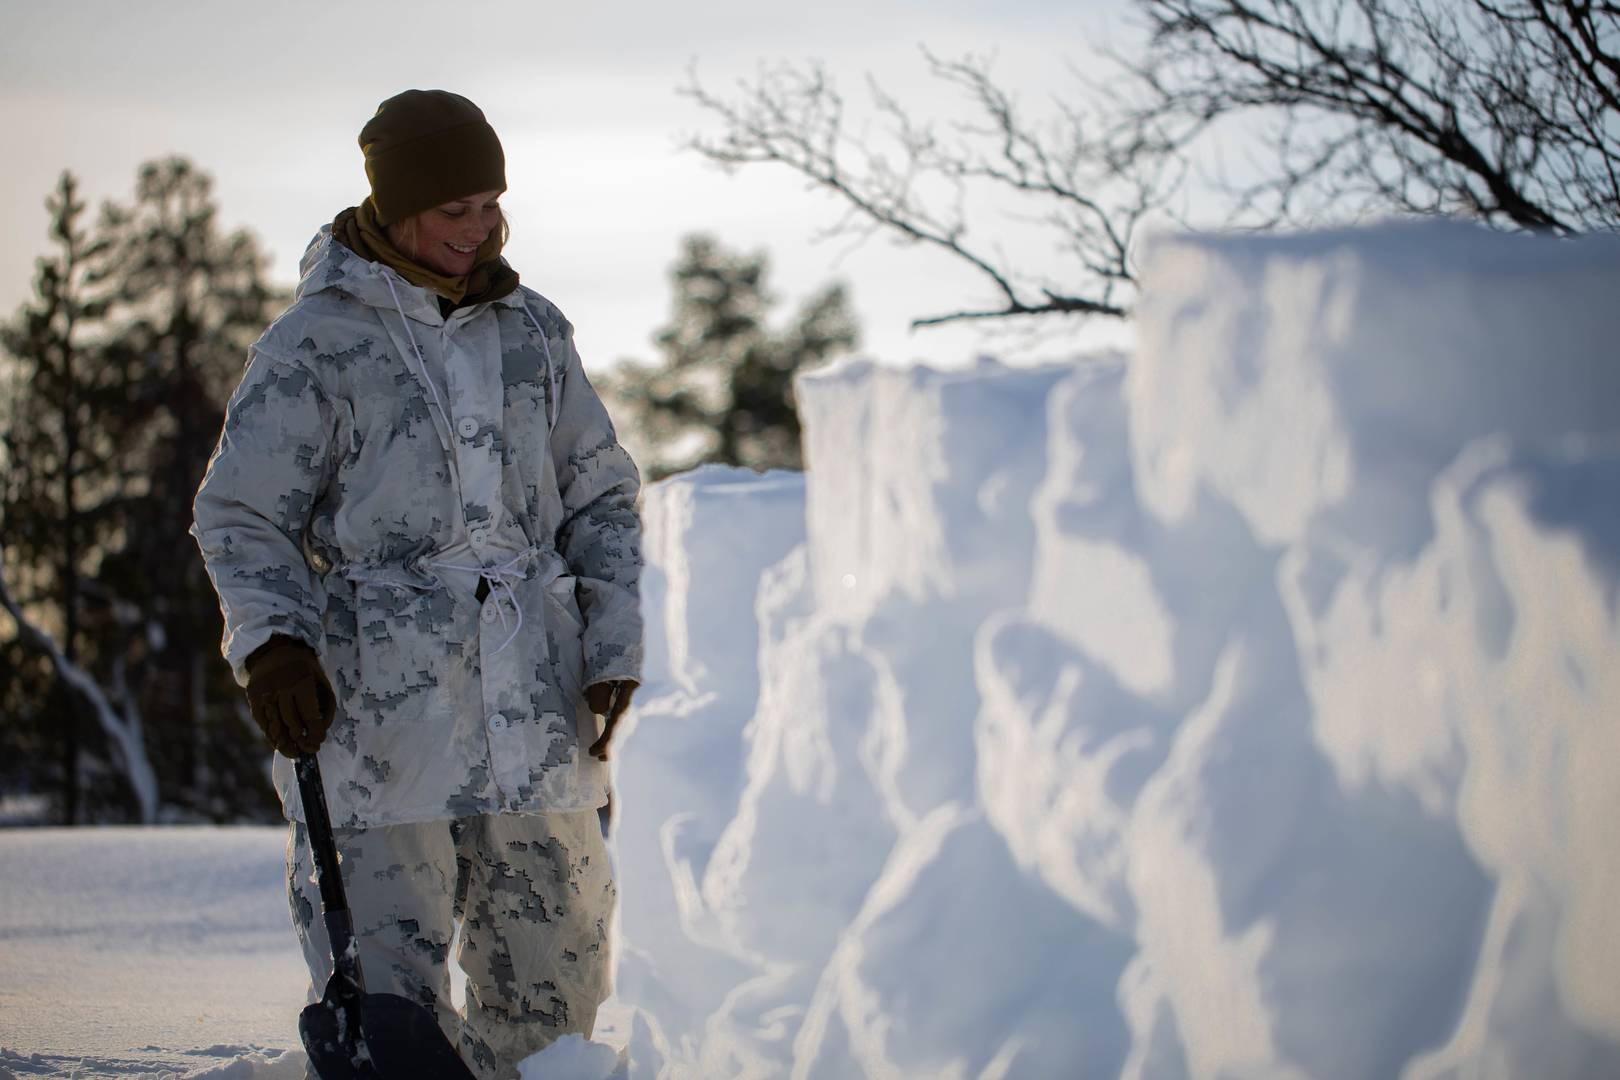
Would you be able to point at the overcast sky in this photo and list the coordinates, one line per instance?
(269, 100)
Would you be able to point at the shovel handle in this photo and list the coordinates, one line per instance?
(321, 844)
(328, 874)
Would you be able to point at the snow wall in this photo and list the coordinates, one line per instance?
(1249, 708)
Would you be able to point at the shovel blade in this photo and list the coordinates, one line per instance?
(376, 1037)
(407, 1042)
(330, 1030)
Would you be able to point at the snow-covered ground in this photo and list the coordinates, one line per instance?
(131, 951)
(1248, 709)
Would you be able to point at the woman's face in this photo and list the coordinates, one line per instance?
(447, 236)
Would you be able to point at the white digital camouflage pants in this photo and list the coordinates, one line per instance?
(534, 894)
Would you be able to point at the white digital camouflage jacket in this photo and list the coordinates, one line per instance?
(377, 462)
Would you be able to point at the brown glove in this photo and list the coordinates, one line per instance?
(609, 700)
(289, 695)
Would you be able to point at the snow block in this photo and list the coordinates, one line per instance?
(1243, 707)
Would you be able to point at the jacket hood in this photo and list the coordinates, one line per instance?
(329, 264)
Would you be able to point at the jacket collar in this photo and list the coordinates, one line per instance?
(328, 264)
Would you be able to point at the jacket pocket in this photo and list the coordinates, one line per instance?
(400, 653)
(566, 628)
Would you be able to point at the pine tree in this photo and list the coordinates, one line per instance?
(187, 302)
(56, 506)
(724, 391)
(119, 370)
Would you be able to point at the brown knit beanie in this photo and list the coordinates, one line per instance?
(427, 147)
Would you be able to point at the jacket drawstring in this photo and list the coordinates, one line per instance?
(551, 374)
(501, 577)
(410, 334)
(551, 378)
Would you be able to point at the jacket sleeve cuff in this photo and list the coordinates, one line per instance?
(606, 664)
(245, 641)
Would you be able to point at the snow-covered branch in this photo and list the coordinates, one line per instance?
(121, 725)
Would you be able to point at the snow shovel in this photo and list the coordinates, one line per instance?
(350, 1034)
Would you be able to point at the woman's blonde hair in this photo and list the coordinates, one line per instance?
(403, 234)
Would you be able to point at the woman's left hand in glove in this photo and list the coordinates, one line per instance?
(608, 700)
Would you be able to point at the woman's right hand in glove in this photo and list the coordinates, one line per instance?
(289, 695)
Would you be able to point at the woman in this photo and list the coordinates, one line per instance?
(424, 538)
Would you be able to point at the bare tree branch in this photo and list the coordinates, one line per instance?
(915, 183)
(1505, 111)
